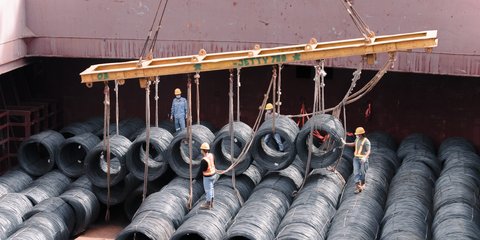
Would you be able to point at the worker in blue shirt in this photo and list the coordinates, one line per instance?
(179, 110)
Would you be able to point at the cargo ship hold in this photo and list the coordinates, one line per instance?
(91, 146)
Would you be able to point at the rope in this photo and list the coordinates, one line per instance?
(230, 129)
(154, 41)
(197, 82)
(279, 92)
(149, 34)
(360, 93)
(274, 73)
(116, 107)
(147, 140)
(238, 94)
(106, 142)
(358, 21)
(157, 80)
(189, 133)
(256, 126)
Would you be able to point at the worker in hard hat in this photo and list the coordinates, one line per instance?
(360, 160)
(179, 110)
(268, 115)
(209, 172)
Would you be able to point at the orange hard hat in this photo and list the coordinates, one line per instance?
(177, 91)
(359, 131)
(205, 146)
(269, 106)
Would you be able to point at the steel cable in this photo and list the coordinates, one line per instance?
(242, 134)
(169, 206)
(49, 185)
(178, 151)
(96, 166)
(324, 152)
(37, 154)
(157, 159)
(266, 154)
(72, 152)
(85, 206)
(14, 181)
(92, 125)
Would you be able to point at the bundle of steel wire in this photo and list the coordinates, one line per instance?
(221, 147)
(118, 192)
(49, 185)
(326, 142)
(37, 154)
(267, 154)
(12, 208)
(72, 152)
(13, 181)
(178, 150)
(162, 211)
(57, 206)
(50, 225)
(92, 125)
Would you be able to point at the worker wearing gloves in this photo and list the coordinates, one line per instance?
(210, 176)
(268, 115)
(360, 159)
(179, 110)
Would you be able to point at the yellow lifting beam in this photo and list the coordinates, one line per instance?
(259, 56)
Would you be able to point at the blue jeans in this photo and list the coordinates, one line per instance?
(208, 183)
(179, 124)
(359, 169)
(277, 138)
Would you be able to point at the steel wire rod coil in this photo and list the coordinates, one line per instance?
(96, 162)
(162, 211)
(92, 125)
(415, 142)
(157, 160)
(85, 207)
(314, 206)
(12, 208)
(71, 155)
(242, 134)
(266, 154)
(128, 128)
(178, 152)
(324, 152)
(167, 125)
(51, 226)
(37, 154)
(14, 181)
(81, 182)
(57, 206)
(49, 185)
(118, 192)
(452, 145)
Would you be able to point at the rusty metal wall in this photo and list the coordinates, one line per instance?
(117, 28)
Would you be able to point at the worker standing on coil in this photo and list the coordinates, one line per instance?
(179, 110)
(209, 172)
(268, 115)
(360, 160)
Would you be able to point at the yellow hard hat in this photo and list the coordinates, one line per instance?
(177, 91)
(205, 146)
(359, 130)
(268, 106)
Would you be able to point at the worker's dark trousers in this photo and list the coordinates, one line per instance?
(359, 169)
(208, 183)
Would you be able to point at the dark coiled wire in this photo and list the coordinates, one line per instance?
(92, 125)
(14, 181)
(85, 207)
(81, 182)
(96, 162)
(118, 192)
(323, 154)
(49, 185)
(267, 154)
(12, 208)
(178, 152)
(51, 226)
(72, 153)
(168, 206)
(57, 206)
(456, 198)
(157, 159)
(37, 154)
(129, 128)
(221, 147)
